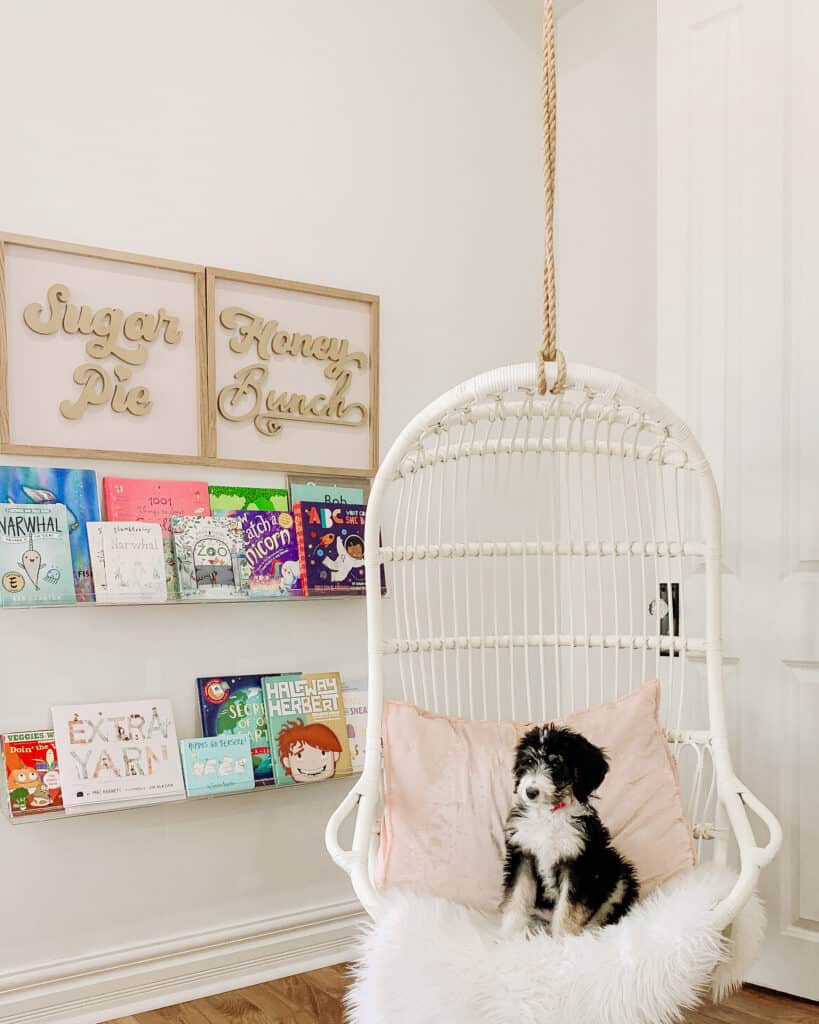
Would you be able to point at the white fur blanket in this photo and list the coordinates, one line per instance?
(428, 961)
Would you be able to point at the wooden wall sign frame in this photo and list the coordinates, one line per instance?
(286, 343)
(339, 357)
(197, 429)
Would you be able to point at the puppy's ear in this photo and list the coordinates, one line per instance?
(590, 768)
(524, 752)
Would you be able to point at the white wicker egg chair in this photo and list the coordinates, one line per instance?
(525, 539)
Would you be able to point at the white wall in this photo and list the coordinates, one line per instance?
(376, 145)
(606, 220)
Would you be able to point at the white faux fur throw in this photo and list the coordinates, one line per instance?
(428, 961)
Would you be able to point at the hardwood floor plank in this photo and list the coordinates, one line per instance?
(269, 1000)
(315, 998)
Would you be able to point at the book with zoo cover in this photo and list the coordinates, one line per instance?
(234, 706)
(32, 773)
(35, 555)
(331, 547)
(307, 727)
(210, 557)
(74, 488)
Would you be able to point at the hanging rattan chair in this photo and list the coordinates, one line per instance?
(545, 553)
(551, 544)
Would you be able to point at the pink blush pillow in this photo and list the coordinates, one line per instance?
(448, 787)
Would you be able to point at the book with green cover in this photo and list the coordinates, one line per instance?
(226, 498)
(35, 555)
(306, 727)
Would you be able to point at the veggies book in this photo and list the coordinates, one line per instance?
(226, 498)
(35, 555)
(32, 773)
(331, 547)
(217, 764)
(155, 501)
(307, 728)
(117, 754)
(74, 488)
(271, 553)
(210, 557)
(234, 706)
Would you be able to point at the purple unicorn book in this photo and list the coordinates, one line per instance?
(271, 553)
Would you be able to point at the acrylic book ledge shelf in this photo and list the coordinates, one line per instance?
(61, 815)
(212, 602)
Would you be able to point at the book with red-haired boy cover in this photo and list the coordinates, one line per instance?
(307, 727)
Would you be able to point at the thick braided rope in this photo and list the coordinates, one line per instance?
(549, 352)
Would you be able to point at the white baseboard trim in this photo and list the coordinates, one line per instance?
(96, 988)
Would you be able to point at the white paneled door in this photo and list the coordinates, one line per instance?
(738, 301)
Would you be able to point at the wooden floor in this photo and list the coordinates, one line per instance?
(315, 998)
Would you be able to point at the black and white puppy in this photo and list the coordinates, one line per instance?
(561, 872)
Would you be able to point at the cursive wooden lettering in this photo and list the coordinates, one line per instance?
(109, 333)
(245, 399)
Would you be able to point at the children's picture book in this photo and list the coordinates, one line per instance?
(217, 764)
(271, 553)
(327, 492)
(128, 562)
(234, 706)
(226, 498)
(155, 501)
(74, 488)
(117, 754)
(355, 711)
(331, 547)
(32, 772)
(308, 731)
(210, 557)
(35, 555)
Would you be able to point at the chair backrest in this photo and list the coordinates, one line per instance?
(546, 553)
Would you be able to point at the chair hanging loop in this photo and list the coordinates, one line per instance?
(549, 352)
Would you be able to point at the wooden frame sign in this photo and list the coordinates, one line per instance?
(293, 375)
(102, 354)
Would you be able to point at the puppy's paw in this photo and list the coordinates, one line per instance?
(514, 924)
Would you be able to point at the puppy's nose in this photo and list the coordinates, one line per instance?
(532, 792)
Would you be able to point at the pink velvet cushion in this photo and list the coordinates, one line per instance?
(448, 788)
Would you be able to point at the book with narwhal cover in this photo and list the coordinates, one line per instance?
(35, 555)
(74, 488)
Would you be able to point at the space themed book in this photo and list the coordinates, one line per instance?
(234, 706)
(210, 557)
(155, 501)
(31, 772)
(271, 553)
(35, 555)
(331, 547)
(74, 488)
(307, 727)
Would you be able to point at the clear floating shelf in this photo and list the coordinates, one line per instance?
(62, 815)
(184, 602)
